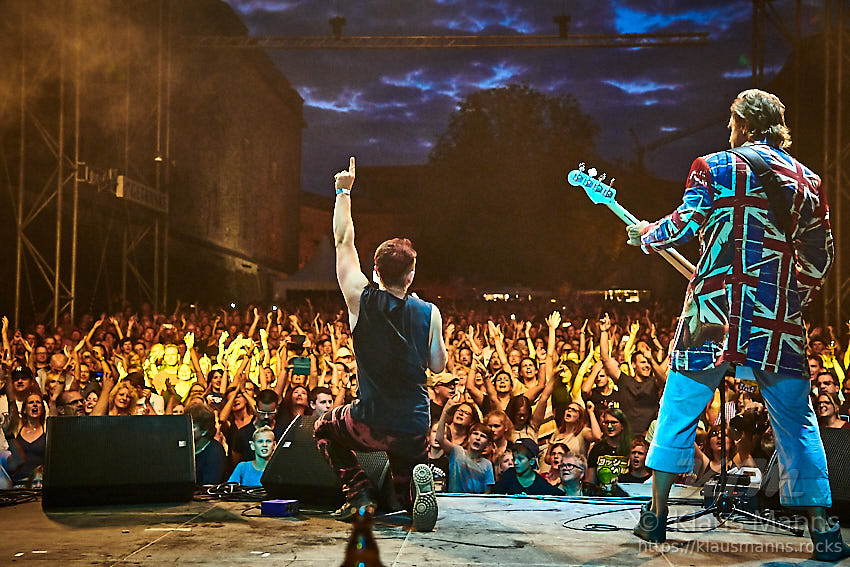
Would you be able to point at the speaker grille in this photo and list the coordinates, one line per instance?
(299, 471)
(118, 459)
(836, 444)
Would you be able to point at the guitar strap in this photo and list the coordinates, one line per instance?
(772, 186)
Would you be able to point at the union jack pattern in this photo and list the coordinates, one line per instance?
(743, 304)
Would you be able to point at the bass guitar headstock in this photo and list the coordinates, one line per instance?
(598, 192)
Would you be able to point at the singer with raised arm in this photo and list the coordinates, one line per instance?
(766, 247)
(397, 337)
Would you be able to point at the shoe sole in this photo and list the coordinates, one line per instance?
(425, 501)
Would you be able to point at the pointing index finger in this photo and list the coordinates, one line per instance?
(351, 165)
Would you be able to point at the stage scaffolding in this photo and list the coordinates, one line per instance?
(130, 212)
(836, 152)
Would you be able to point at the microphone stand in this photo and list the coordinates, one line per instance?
(725, 504)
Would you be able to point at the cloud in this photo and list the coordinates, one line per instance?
(640, 86)
(390, 106)
(647, 17)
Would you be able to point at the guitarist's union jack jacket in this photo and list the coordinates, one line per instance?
(743, 304)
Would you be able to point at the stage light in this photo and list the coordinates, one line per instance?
(274, 307)
(232, 305)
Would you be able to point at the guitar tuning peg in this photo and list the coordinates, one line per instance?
(602, 177)
(581, 167)
(592, 172)
(611, 183)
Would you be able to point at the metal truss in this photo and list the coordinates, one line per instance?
(447, 41)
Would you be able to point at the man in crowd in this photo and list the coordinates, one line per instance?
(321, 400)
(443, 386)
(743, 306)
(40, 364)
(572, 470)
(637, 463)
(827, 384)
(396, 337)
(70, 403)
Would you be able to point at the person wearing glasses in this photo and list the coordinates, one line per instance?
(609, 458)
(71, 404)
(460, 419)
(40, 364)
(267, 408)
(572, 471)
(763, 260)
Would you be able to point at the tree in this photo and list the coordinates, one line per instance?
(497, 207)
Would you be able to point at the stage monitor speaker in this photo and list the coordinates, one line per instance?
(298, 471)
(836, 443)
(92, 461)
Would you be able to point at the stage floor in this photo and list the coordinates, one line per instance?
(494, 531)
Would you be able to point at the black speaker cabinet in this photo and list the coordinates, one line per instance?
(836, 443)
(298, 471)
(92, 461)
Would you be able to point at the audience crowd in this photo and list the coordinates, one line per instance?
(537, 398)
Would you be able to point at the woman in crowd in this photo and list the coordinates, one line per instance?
(123, 399)
(531, 380)
(519, 411)
(579, 429)
(499, 391)
(461, 418)
(554, 456)
(196, 392)
(505, 462)
(237, 416)
(296, 402)
(29, 442)
(91, 393)
(503, 432)
(708, 462)
(609, 457)
(212, 392)
(827, 410)
(599, 389)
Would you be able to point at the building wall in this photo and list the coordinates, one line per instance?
(236, 156)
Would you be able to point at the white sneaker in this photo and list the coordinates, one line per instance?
(424, 499)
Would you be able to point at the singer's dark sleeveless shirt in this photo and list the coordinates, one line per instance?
(391, 347)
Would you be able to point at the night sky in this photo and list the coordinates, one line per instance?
(389, 107)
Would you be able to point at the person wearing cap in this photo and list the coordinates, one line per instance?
(344, 355)
(523, 479)
(442, 388)
(396, 337)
